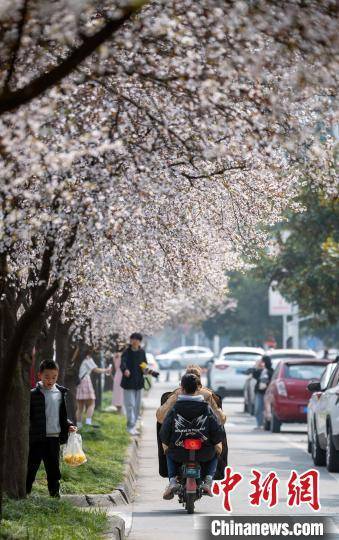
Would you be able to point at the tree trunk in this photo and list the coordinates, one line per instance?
(67, 358)
(17, 433)
(14, 396)
(3, 424)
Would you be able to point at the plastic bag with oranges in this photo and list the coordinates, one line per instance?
(73, 452)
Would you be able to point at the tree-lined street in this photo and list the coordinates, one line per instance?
(159, 163)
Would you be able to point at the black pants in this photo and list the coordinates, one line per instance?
(48, 451)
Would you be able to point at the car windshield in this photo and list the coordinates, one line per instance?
(327, 375)
(304, 371)
(242, 356)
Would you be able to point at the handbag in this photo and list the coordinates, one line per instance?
(147, 383)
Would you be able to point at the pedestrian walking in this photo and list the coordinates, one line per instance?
(85, 394)
(262, 373)
(48, 427)
(118, 393)
(132, 380)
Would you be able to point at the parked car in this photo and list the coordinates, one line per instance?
(152, 363)
(330, 354)
(276, 356)
(323, 419)
(183, 356)
(287, 395)
(228, 373)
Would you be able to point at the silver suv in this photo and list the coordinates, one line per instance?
(323, 419)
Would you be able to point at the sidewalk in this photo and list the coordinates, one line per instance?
(152, 516)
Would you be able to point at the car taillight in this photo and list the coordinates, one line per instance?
(192, 444)
(221, 366)
(281, 388)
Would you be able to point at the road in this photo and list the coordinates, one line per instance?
(154, 518)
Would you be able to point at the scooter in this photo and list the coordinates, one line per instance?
(190, 479)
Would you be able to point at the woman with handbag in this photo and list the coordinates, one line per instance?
(85, 394)
(262, 373)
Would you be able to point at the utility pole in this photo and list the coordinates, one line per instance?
(216, 344)
(285, 331)
(295, 327)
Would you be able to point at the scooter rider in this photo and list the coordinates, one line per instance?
(191, 416)
(206, 393)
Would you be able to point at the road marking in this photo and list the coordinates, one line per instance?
(304, 449)
(198, 522)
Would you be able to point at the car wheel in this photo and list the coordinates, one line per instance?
(309, 446)
(175, 365)
(332, 455)
(275, 424)
(267, 425)
(318, 454)
(222, 392)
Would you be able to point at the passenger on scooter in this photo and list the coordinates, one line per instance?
(206, 393)
(191, 417)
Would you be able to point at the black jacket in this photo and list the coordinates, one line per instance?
(37, 421)
(195, 420)
(264, 376)
(131, 360)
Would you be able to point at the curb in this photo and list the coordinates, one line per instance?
(127, 487)
(117, 529)
(121, 496)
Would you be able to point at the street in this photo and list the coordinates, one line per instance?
(153, 517)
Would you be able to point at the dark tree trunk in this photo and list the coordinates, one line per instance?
(17, 432)
(67, 357)
(14, 379)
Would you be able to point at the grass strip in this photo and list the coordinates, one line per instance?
(44, 518)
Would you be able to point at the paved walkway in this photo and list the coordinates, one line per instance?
(154, 518)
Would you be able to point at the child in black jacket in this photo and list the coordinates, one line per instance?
(49, 427)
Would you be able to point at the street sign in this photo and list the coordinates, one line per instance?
(277, 304)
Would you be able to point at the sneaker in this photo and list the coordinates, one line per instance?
(171, 489)
(207, 486)
(257, 428)
(134, 432)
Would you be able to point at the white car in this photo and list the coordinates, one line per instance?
(151, 361)
(229, 371)
(184, 356)
(323, 419)
(278, 354)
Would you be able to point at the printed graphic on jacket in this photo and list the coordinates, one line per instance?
(186, 428)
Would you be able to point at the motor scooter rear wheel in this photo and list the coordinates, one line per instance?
(190, 500)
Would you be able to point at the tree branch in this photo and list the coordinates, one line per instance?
(10, 101)
(17, 44)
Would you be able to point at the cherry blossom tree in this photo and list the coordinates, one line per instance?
(135, 174)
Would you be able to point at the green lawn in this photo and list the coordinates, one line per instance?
(41, 518)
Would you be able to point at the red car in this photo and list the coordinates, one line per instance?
(287, 396)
